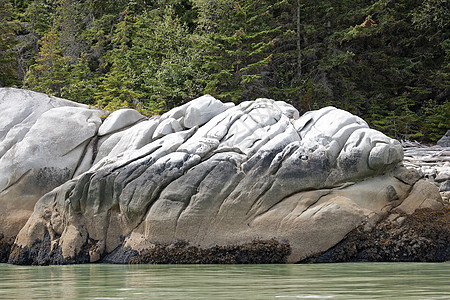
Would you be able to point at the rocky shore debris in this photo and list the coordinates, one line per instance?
(432, 163)
(445, 140)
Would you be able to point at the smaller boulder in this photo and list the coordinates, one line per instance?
(445, 140)
(445, 186)
(408, 176)
(169, 125)
(201, 110)
(443, 176)
(424, 194)
(118, 120)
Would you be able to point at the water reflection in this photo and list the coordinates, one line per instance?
(325, 281)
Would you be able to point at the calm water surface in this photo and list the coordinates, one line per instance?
(324, 281)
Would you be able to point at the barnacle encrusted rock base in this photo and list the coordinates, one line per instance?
(255, 252)
(210, 174)
(5, 248)
(423, 236)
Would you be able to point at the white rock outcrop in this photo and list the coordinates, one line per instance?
(209, 174)
(42, 140)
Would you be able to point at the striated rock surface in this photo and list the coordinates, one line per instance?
(211, 176)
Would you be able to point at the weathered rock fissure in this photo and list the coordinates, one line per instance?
(87, 145)
(16, 182)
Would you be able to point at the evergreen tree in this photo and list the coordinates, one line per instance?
(50, 73)
(40, 14)
(241, 38)
(165, 60)
(82, 83)
(386, 61)
(115, 89)
(8, 65)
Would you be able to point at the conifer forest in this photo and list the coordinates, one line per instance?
(387, 61)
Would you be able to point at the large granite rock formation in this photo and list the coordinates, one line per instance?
(206, 174)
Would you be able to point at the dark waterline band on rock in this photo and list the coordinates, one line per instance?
(256, 252)
(423, 236)
(5, 247)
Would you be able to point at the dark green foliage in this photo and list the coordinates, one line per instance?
(8, 59)
(50, 73)
(399, 67)
(240, 40)
(386, 61)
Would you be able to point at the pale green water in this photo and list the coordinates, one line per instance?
(324, 281)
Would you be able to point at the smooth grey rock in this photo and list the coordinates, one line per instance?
(423, 195)
(445, 186)
(251, 171)
(288, 110)
(132, 138)
(443, 176)
(167, 126)
(176, 112)
(20, 110)
(445, 140)
(201, 110)
(118, 120)
(408, 176)
(229, 105)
